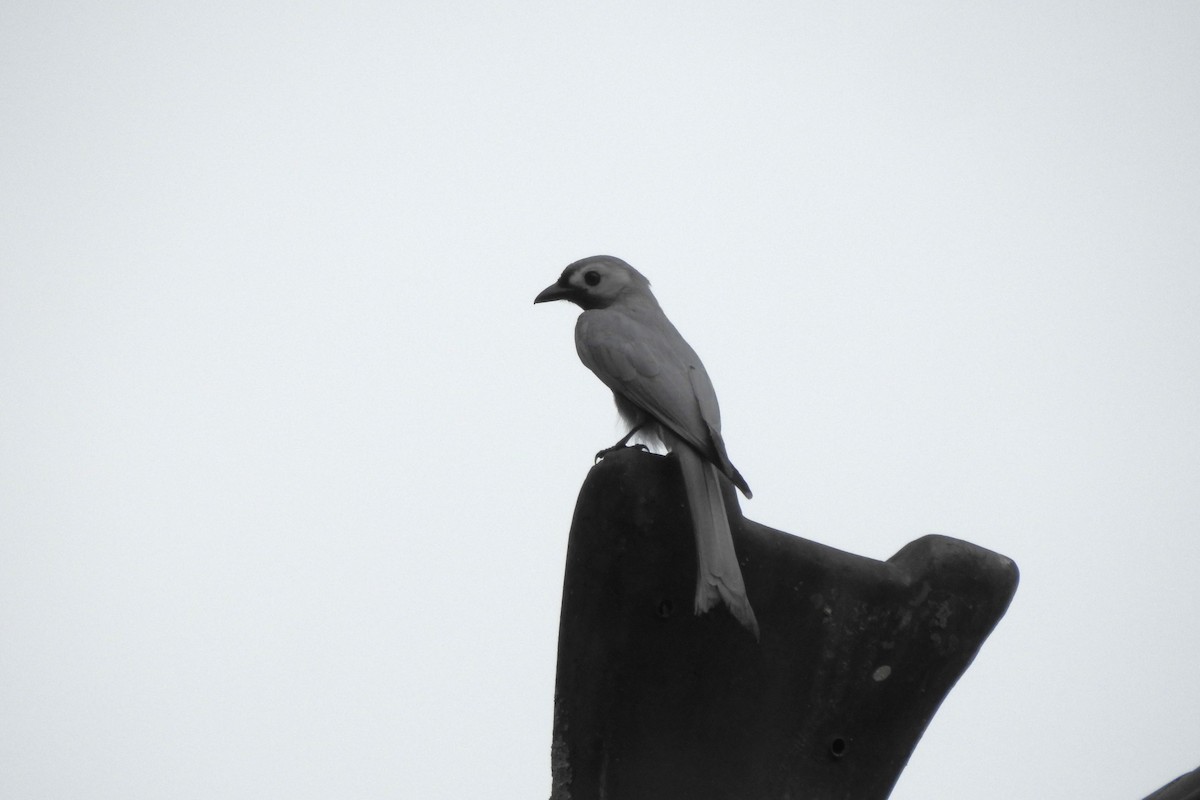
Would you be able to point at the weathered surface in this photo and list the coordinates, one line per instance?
(655, 703)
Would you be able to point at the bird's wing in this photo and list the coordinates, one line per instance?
(659, 373)
(700, 381)
(635, 361)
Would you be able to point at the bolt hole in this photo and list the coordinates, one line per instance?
(837, 748)
(666, 608)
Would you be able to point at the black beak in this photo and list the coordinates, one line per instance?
(554, 292)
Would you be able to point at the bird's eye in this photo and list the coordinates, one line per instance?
(591, 277)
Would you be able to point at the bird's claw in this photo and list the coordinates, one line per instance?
(609, 450)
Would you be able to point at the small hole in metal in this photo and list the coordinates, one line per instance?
(837, 747)
(666, 608)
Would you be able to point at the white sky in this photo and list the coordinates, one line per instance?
(288, 458)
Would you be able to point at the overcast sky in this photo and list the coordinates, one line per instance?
(288, 457)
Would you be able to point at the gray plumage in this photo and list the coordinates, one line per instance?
(662, 389)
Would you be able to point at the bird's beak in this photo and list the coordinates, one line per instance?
(553, 292)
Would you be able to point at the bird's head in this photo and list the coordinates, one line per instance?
(595, 282)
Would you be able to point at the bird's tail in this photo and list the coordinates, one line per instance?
(718, 575)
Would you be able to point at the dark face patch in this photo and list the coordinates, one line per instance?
(592, 283)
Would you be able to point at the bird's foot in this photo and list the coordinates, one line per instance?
(609, 450)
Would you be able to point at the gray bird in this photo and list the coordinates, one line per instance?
(663, 391)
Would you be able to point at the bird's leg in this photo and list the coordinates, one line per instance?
(621, 444)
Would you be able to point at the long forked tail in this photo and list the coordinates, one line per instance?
(718, 576)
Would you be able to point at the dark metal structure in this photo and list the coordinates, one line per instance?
(655, 703)
(1185, 787)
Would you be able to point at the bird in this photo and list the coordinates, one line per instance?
(663, 392)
